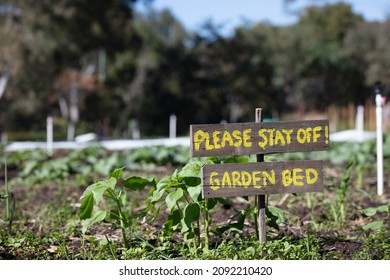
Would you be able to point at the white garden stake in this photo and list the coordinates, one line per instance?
(172, 126)
(379, 139)
(49, 135)
(360, 123)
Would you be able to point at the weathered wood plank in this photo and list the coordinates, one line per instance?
(262, 178)
(258, 138)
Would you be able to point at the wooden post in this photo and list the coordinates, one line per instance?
(260, 198)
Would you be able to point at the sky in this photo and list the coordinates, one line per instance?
(231, 13)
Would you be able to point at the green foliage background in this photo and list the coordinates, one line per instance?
(148, 66)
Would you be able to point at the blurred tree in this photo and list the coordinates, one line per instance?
(323, 73)
(121, 66)
(242, 66)
(164, 73)
(66, 35)
(368, 44)
(202, 77)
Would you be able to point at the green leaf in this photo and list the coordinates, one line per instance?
(136, 183)
(369, 211)
(191, 169)
(373, 210)
(104, 165)
(189, 236)
(157, 194)
(350, 164)
(236, 160)
(272, 223)
(214, 160)
(210, 203)
(164, 183)
(117, 173)
(97, 217)
(374, 225)
(191, 214)
(147, 210)
(195, 192)
(29, 168)
(236, 227)
(128, 220)
(383, 208)
(114, 215)
(275, 213)
(173, 197)
(172, 222)
(99, 188)
(156, 212)
(86, 207)
(192, 181)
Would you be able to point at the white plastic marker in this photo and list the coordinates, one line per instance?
(379, 137)
(360, 123)
(49, 135)
(172, 126)
(3, 83)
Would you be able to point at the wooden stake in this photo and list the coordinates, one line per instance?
(260, 198)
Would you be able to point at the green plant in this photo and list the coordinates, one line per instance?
(249, 248)
(83, 162)
(189, 213)
(9, 198)
(371, 211)
(181, 194)
(338, 205)
(275, 216)
(110, 189)
(376, 246)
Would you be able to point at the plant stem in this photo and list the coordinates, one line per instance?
(9, 212)
(6, 188)
(206, 225)
(198, 232)
(123, 229)
(308, 201)
(109, 242)
(180, 211)
(121, 218)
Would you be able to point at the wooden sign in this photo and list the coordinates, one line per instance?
(262, 178)
(258, 138)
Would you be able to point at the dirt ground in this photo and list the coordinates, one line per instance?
(343, 243)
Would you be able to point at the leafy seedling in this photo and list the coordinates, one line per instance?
(110, 189)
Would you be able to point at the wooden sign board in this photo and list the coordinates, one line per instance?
(262, 178)
(258, 138)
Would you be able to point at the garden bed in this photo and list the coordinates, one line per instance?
(46, 223)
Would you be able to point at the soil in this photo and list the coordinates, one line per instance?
(342, 244)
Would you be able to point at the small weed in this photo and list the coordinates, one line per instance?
(338, 205)
(371, 212)
(376, 246)
(284, 248)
